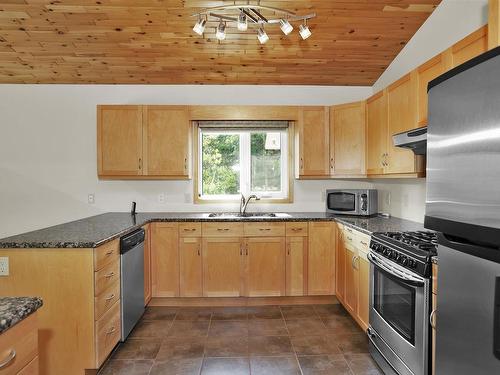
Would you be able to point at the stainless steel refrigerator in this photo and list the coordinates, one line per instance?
(463, 204)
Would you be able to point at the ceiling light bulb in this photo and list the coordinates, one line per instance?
(242, 22)
(262, 36)
(199, 28)
(304, 31)
(221, 31)
(286, 27)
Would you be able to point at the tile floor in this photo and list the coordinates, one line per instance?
(269, 340)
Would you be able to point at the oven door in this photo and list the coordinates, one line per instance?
(342, 202)
(399, 307)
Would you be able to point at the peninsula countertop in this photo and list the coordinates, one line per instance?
(14, 309)
(96, 230)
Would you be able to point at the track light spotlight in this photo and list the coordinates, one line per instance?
(242, 22)
(285, 26)
(199, 28)
(262, 36)
(220, 34)
(304, 31)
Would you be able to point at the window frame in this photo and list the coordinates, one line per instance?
(245, 155)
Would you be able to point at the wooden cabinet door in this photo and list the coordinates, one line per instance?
(376, 133)
(165, 260)
(312, 133)
(265, 266)
(469, 47)
(364, 289)
(347, 139)
(321, 260)
(167, 140)
(119, 140)
(223, 262)
(296, 266)
(190, 267)
(147, 265)
(340, 264)
(402, 116)
(351, 281)
(426, 73)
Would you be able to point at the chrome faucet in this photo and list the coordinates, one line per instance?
(244, 203)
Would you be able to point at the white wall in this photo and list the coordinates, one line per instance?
(48, 149)
(451, 21)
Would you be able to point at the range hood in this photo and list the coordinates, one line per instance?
(415, 140)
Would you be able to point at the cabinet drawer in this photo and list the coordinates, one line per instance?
(19, 343)
(190, 229)
(108, 332)
(296, 229)
(265, 229)
(106, 299)
(31, 368)
(106, 254)
(106, 277)
(222, 229)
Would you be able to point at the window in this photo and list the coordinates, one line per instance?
(242, 160)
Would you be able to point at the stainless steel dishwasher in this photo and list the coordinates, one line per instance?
(132, 280)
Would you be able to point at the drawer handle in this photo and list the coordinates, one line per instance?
(189, 229)
(110, 297)
(296, 229)
(348, 229)
(10, 357)
(363, 243)
(110, 252)
(111, 331)
(222, 229)
(265, 229)
(349, 238)
(109, 275)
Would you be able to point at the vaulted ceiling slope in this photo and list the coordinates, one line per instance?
(151, 41)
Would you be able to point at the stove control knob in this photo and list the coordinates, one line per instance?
(404, 262)
(398, 258)
(412, 263)
(387, 252)
(394, 255)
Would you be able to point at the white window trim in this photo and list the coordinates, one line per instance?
(245, 173)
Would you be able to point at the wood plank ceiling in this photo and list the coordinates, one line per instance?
(151, 41)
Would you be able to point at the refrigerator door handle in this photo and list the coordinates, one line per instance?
(496, 320)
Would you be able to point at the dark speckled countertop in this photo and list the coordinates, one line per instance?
(15, 309)
(96, 230)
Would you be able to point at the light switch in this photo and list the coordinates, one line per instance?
(91, 198)
(4, 266)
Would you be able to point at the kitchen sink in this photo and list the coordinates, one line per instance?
(253, 215)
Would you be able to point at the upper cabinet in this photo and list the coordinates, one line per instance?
(347, 140)
(471, 46)
(401, 116)
(311, 146)
(376, 133)
(493, 24)
(119, 140)
(143, 142)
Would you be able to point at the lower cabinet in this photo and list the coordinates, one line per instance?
(296, 266)
(321, 259)
(190, 267)
(223, 265)
(265, 266)
(147, 265)
(165, 259)
(353, 273)
(433, 314)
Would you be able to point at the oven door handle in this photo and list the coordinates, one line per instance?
(411, 280)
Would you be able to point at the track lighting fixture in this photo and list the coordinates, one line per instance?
(304, 31)
(285, 26)
(242, 22)
(220, 34)
(199, 28)
(262, 36)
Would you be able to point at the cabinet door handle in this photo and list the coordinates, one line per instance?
(246, 247)
(353, 260)
(241, 250)
(8, 359)
(332, 165)
(110, 297)
(140, 163)
(111, 331)
(301, 163)
(110, 252)
(199, 251)
(289, 248)
(431, 318)
(109, 275)
(185, 164)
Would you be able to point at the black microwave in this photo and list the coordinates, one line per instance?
(360, 202)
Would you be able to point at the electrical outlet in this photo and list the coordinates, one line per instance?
(4, 266)
(91, 198)
(161, 198)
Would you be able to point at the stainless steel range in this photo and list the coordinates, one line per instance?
(400, 291)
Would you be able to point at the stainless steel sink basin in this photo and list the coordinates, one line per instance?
(253, 215)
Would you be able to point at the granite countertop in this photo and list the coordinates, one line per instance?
(15, 309)
(96, 230)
